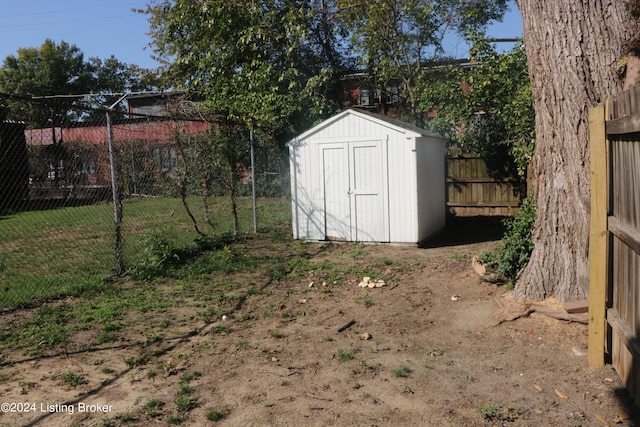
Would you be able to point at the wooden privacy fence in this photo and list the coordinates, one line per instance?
(614, 252)
(474, 190)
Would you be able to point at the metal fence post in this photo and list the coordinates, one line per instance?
(253, 182)
(117, 203)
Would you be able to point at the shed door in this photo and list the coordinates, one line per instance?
(368, 199)
(354, 192)
(335, 170)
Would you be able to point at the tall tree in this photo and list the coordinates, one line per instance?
(51, 69)
(573, 50)
(395, 39)
(60, 69)
(239, 56)
(484, 107)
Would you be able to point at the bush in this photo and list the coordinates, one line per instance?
(161, 253)
(514, 251)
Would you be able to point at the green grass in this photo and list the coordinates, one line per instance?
(488, 411)
(212, 282)
(47, 255)
(214, 414)
(152, 407)
(345, 355)
(185, 403)
(434, 351)
(72, 379)
(403, 371)
(187, 378)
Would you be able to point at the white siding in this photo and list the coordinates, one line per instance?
(402, 190)
(363, 178)
(335, 191)
(307, 213)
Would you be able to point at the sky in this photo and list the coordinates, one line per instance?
(98, 28)
(104, 28)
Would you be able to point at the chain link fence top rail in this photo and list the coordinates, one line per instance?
(62, 231)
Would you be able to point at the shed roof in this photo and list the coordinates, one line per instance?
(395, 124)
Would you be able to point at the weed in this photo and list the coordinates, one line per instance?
(402, 371)
(107, 370)
(278, 272)
(214, 415)
(241, 344)
(27, 385)
(407, 389)
(47, 328)
(460, 257)
(222, 330)
(368, 303)
(105, 337)
(279, 235)
(176, 419)
(111, 327)
(357, 252)
(106, 422)
(434, 351)
(269, 404)
(133, 362)
(127, 417)
(152, 407)
(186, 378)
(488, 411)
(160, 254)
(345, 355)
(185, 403)
(328, 338)
(72, 379)
(276, 334)
(514, 250)
(184, 390)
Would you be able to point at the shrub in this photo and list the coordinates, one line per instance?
(514, 251)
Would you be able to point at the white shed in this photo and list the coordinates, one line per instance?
(365, 177)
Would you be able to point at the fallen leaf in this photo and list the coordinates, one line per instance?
(560, 394)
(602, 420)
(537, 387)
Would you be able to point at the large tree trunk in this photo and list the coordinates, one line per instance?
(574, 49)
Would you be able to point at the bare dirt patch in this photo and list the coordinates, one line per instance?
(425, 349)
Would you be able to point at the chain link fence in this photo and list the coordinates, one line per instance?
(90, 192)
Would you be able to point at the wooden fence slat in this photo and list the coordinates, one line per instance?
(620, 326)
(623, 125)
(472, 191)
(497, 204)
(598, 237)
(629, 235)
(481, 180)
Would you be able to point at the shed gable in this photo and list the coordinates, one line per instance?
(356, 124)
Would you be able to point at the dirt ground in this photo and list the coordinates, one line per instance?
(426, 349)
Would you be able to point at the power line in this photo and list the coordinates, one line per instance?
(70, 21)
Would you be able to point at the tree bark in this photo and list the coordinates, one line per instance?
(573, 49)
